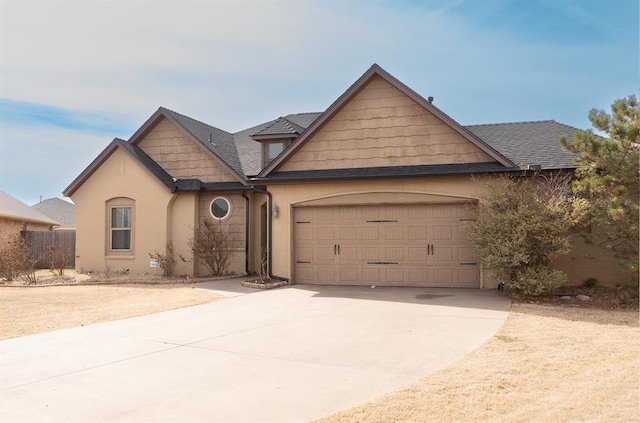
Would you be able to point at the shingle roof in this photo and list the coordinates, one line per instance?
(219, 142)
(529, 143)
(59, 210)
(280, 126)
(12, 208)
(248, 149)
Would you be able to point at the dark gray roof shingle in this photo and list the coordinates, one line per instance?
(219, 142)
(281, 126)
(529, 143)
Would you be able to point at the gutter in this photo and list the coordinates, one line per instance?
(269, 233)
(246, 233)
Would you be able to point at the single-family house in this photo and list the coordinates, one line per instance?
(373, 191)
(17, 217)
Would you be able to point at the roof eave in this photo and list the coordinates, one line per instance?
(98, 161)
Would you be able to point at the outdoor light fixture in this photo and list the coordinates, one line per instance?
(276, 211)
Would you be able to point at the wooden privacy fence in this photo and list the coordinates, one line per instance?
(42, 243)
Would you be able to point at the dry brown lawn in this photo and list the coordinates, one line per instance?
(29, 310)
(546, 364)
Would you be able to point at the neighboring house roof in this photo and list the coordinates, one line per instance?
(530, 143)
(12, 208)
(59, 210)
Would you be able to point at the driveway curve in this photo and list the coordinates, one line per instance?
(287, 355)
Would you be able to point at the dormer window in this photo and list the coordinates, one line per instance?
(274, 148)
(276, 137)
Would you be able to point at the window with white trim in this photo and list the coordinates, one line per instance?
(220, 208)
(121, 228)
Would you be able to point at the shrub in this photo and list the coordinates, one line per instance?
(214, 246)
(59, 254)
(16, 260)
(523, 224)
(167, 261)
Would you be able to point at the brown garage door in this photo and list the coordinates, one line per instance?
(401, 245)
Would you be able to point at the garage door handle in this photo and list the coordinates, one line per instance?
(335, 249)
(338, 249)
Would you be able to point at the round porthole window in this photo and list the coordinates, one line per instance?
(220, 208)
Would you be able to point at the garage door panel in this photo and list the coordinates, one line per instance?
(326, 274)
(348, 253)
(467, 255)
(468, 277)
(417, 233)
(417, 254)
(370, 233)
(394, 254)
(443, 255)
(394, 275)
(349, 233)
(384, 245)
(370, 253)
(325, 254)
(442, 233)
(417, 276)
(326, 233)
(443, 276)
(370, 275)
(304, 253)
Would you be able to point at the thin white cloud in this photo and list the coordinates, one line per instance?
(234, 64)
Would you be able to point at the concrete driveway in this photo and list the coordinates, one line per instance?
(286, 355)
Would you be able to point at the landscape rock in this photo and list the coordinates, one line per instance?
(565, 297)
(583, 297)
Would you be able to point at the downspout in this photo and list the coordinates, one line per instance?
(246, 233)
(269, 233)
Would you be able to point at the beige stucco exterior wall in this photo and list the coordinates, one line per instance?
(591, 261)
(180, 156)
(182, 213)
(381, 126)
(120, 176)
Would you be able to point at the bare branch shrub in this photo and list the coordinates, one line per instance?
(59, 253)
(167, 261)
(214, 246)
(262, 266)
(16, 260)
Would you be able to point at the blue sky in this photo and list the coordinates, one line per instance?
(76, 74)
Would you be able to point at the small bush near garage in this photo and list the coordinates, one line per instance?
(523, 225)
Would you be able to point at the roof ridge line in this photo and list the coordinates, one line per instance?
(193, 119)
(512, 123)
